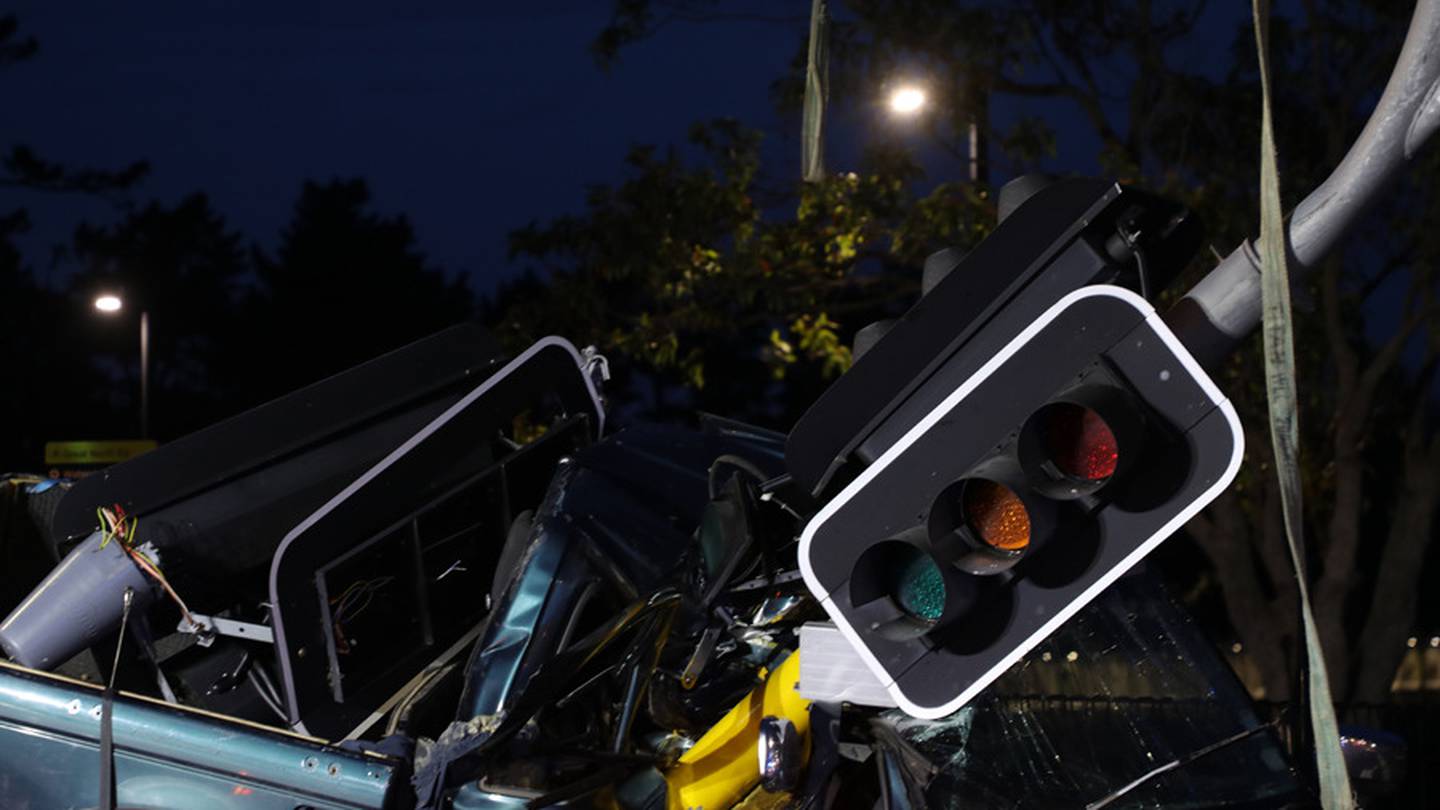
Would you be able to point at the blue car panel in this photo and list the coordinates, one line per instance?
(169, 756)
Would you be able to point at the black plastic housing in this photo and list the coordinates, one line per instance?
(1099, 335)
(1062, 238)
(217, 502)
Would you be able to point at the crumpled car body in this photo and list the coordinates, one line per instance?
(637, 595)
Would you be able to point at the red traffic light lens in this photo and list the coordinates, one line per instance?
(996, 515)
(1079, 442)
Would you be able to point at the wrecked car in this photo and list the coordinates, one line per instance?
(444, 579)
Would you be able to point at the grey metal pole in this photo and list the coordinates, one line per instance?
(974, 151)
(817, 94)
(1224, 307)
(144, 374)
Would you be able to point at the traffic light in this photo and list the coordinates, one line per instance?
(1002, 473)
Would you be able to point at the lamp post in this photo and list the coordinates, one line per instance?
(109, 304)
(909, 100)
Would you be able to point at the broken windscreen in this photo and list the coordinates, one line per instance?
(1127, 705)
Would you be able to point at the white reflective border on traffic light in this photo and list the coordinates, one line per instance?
(1154, 321)
(420, 436)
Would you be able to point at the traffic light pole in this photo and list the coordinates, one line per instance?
(1224, 307)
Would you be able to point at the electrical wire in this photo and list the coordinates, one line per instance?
(364, 589)
(351, 602)
(264, 676)
(1132, 241)
(269, 699)
(116, 525)
(1142, 271)
(154, 571)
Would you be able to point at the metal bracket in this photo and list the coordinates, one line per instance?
(596, 365)
(206, 628)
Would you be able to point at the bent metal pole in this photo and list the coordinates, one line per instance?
(1224, 307)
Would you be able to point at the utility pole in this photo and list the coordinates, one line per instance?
(977, 100)
(144, 374)
(817, 94)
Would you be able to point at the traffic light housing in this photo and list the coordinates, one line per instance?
(1044, 454)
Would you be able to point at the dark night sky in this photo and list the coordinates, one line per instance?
(472, 118)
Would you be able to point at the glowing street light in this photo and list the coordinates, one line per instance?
(109, 304)
(907, 100)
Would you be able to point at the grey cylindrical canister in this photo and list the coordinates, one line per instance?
(78, 604)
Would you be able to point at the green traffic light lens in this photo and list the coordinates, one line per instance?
(905, 589)
(918, 587)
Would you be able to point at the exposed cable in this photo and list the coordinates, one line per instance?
(269, 699)
(116, 525)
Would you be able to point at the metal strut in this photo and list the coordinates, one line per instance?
(1224, 307)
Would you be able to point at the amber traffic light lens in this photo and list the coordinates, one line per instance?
(996, 515)
(1080, 443)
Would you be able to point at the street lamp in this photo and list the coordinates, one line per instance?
(109, 304)
(907, 100)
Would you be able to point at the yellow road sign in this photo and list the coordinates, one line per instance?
(97, 452)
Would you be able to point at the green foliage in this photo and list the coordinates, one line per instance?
(816, 340)
(1030, 141)
(688, 280)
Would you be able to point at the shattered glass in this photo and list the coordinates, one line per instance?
(1126, 687)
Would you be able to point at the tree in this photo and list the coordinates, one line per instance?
(189, 271)
(705, 293)
(25, 169)
(51, 388)
(344, 286)
(28, 407)
(1187, 131)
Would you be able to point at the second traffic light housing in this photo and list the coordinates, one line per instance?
(1033, 482)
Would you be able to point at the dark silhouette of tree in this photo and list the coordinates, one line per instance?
(27, 170)
(13, 47)
(23, 168)
(35, 364)
(190, 272)
(231, 327)
(344, 286)
(51, 388)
